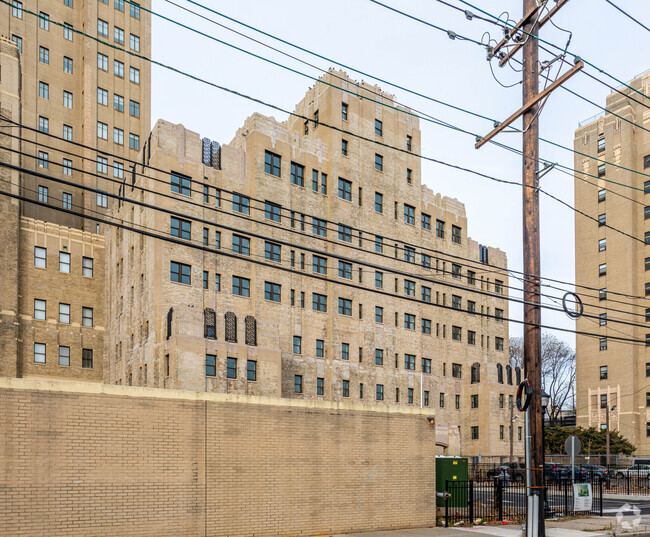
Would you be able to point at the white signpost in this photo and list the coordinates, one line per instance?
(572, 447)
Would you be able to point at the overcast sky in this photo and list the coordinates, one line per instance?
(372, 39)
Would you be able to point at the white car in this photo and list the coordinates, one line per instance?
(638, 470)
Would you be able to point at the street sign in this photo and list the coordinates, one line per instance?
(572, 446)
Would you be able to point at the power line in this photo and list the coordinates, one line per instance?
(259, 101)
(475, 264)
(628, 15)
(275, 266)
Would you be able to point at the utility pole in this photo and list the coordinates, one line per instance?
(524, 36)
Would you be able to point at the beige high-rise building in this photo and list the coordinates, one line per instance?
(615, 375)
(93, 99)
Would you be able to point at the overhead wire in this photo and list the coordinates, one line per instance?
(628, 15)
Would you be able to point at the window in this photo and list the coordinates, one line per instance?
(241, 245)
(409, 396)
(345, 270)
(43, 93)
(67, 101)
(379, 162)
(344, 148)
(44, 55)
(43, 124)
(602, 245)
(409, 287)
(241, 286)
(86, 316)
(426, 293)
(64, 356)
(102, 63)
(345, 233)
(602, 319)
(345, 351)
(409, 214)
(455, 271)
(440, 229)
(475, 432)
(39, 309)
(602, 219)
(118, 35)
(39, 353)
(603, 401)
(471, 337)
(17, 9)
(272, 291)
(179, 272)
(603, 343)
(602, 294)
(134, 75)
(409, 361)
(40, 257)
(409, 321)
(64, 313)
(425, 221)
(19, 42)
(272, 251)
(66, 198)
(297, 174)
(134, 42)
(319, 302)
(498, 287)
(64, 262)
(456, 370)
(601, 170)
(319, 264)
(42, 194)
(474, 401)
(180, 228)
(378, 128)
(319, 227)
(43, 159)
(67, 133)
(345, 189)
(409, 142)
(217, 282)
(102, 200)
(498, 314)
(102, 28)
(118, 136)
(498, 343)
(231, 368)
(602, 269)
(409, 254)
(102, 130)
(67, 65)
(456, 333)
(272, 211)
(251, 370)
(87, 267)
(241, 204)
(118, 69)
(119, 5)
(379, 356)
(379, 280)
(344, 111)
(379, 314)
(601, 145)
(180, 184)
(135, 10)
(134, 108)
(455, 234)
(297, 345)
(345, 306)
(297, 383)
(379, 392)
(456, 302)
(272, 163)
(603, 372)
(320, 348)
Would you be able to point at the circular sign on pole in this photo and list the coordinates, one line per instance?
(524, 393)
(572, 446)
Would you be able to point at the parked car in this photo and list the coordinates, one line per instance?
(640, 470)
(594, 470)
(555, 472)
(578, 473)
(515, 470)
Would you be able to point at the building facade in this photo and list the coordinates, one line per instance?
(85, 101)
(613, 376)
(304, 259)
(310, 263)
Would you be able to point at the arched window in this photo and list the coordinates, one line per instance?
(509, 374)
(209, 324)
(518, 375)
(476, 373)
(499, 373)
(231, 327)
(251, 330)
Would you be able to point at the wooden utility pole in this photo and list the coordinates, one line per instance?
(532, 298)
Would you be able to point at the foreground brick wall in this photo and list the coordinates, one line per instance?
(98, 460)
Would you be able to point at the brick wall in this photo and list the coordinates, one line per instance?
(83, 459)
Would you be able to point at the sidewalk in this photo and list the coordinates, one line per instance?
(579, 527)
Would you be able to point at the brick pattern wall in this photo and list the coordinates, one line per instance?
(96, 460)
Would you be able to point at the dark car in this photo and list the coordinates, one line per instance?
(594, 470)
(555, 472)
(515, 471)
(578, 473)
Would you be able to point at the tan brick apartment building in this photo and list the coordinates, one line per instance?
(614, 373)
(306, 263)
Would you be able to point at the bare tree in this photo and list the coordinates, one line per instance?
(558, 371)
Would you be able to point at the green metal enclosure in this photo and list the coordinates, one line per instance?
(452, 469)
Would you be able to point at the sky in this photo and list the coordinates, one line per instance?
(370, 38)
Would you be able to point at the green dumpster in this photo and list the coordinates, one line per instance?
(452, 469)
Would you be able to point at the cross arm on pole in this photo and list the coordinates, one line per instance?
(542, 22)
(541, 95)
(512, 31)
